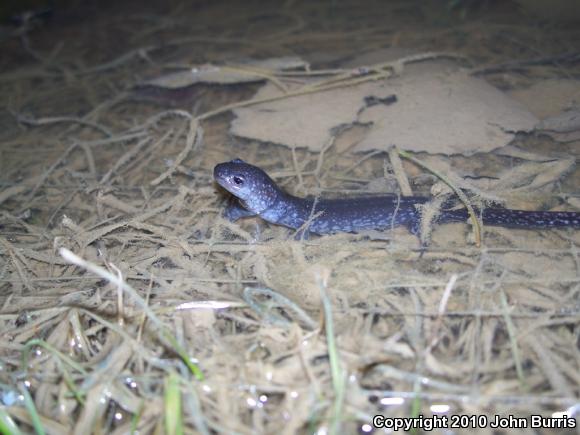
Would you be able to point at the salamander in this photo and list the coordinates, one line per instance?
(256, 194)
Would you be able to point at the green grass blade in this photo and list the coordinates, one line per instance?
(31, 408)
(173, 413)
(7, 424)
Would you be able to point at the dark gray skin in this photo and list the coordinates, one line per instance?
(258, 195)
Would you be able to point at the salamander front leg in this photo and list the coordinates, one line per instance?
(235, 211)
(302, 234)
(414, 228)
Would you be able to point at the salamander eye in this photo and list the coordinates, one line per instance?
(239, 181)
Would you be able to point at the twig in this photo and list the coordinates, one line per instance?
(400, 172)
(194, 138)
(129, 155)
(458, 192)
(60, 119)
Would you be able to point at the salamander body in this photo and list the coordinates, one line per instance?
(257, 194)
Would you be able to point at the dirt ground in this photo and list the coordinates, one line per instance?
(128, 304)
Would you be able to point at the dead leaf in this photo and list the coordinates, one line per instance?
(419, 111)
(533, 175)
(550, 97)
(453, 113)
(563, 127)
(205, 74)
(243, 72)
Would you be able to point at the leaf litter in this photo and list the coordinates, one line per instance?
(287, 335)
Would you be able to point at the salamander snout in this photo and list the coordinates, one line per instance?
(248, 183)
(235, 176)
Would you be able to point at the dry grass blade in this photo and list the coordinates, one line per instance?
(336, 366)
(251, 294)
(163, 331)
(513, 340)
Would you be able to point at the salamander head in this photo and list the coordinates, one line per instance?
(253, 187)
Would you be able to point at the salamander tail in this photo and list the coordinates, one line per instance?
(530, 219)
(505, 217)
